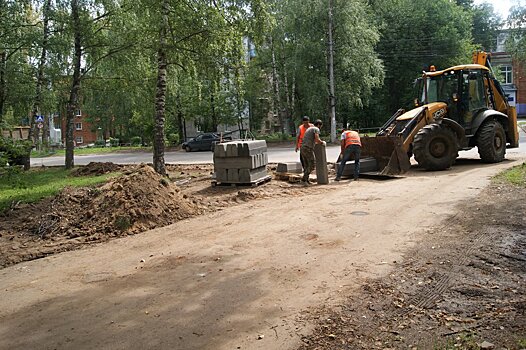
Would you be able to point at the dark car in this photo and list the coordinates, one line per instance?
(203, 142)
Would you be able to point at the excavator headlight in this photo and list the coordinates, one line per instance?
(455, 97)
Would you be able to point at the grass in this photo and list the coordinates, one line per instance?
(515, 175)
(36, 184)
(90, 150)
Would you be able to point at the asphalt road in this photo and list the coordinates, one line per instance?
(275, 155)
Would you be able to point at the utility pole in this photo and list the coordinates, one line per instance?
(332, 100)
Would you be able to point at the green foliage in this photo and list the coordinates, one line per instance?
(414, 35)
(277, 136)
(35, 184)
(122, 222)
(517, 40)
(173, 139)
(100, 143)
(14, 152)
(136, 141)
(114, 142)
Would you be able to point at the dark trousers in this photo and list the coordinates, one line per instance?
(347, 153)
(308, 161)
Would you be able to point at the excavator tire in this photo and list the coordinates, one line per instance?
(435, 147)
(491, 142)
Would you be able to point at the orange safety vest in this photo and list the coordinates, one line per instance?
(302, 133)
(352, 138)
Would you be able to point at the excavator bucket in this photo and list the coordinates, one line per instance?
(388, 152)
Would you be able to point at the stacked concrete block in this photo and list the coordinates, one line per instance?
(241, 162)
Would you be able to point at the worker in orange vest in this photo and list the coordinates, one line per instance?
(350, 144)
(300, 134)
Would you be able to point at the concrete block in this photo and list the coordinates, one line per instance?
(366, 165)
(322, 173)
(293, 167)
(250, 148)
(220, 150)
(232, 175)
(252, 162)
(252, 175)
(231, 149)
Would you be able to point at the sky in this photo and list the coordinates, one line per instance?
(502, 7)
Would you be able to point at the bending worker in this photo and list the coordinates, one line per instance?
(311, 137)
(350, 144)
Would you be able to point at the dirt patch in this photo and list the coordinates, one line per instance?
(461, 287)
(94, 169)
(137, 201)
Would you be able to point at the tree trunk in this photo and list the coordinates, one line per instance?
(160, 95)
(3, 65)
(213, 107)
(34, 131)
(277, 95)
(332, 99)
(73, 103)
(180, 117)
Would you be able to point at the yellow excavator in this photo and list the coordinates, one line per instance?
(455, 109)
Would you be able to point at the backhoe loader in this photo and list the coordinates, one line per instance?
(455, 109)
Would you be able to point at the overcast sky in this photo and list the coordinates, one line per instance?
(502, 7)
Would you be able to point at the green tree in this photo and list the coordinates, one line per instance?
(415, 35)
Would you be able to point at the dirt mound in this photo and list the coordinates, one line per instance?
(137, 201)
(97, 168)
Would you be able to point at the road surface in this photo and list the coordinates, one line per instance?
(275, 155)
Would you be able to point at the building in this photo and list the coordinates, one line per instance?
(512, 74)
(83, 131)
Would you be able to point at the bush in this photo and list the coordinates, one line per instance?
(173, 139)
(100, 143)
(17, 152)
(136, 141)
(114, 142)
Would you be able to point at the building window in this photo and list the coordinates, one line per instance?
(78, 126)
(507, 74)
(78, 113)
(79, 140)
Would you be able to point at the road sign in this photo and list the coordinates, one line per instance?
(40, 125)
(39, 118)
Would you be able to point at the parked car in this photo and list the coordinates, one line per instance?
(203, 142)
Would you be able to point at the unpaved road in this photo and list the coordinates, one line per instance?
(223, 280)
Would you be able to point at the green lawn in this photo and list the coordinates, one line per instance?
(91, 150)
(35, 184)
(515, 175)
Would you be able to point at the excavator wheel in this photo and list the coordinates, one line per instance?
(435, 147)
(491, 142)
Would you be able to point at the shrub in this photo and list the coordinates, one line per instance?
(17, 152)
(100, 143)
(114, 142)
(173, 139)
(136, 141)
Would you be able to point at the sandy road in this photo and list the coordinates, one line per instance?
(221, 280)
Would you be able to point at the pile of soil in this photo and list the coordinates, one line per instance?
(460, 288)
(137, 201)
(96, 168)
